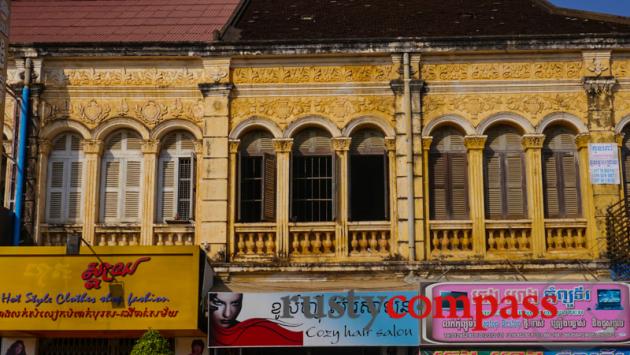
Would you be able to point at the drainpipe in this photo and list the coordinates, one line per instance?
(21, 155)
(411, 218)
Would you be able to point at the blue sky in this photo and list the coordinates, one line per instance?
(615, 7)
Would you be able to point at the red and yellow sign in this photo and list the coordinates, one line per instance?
(42, 289)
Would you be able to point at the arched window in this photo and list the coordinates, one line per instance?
(176, 178)
(505, 184)
(257, 178)
(369, 177)
(65, 181)
(625, 159)
(313, 177)
(121, 172)
(448, 172)
(561, 174)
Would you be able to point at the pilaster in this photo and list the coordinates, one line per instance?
(233, 146)
(390, 146)
(586, 191)
(599, 91)
(282, 148)
(150, 149)
(341, 147)
(475, 146)
(533, 143)
(44, 149)
(213, 209)
(92, 150)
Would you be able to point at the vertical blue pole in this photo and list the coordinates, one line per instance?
(21, 162)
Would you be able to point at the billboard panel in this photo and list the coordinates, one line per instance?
(583, 313)
(309, 319)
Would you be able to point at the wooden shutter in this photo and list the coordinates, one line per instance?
(74, 191)
(56, 191)
(570, 180)
(494, 191)
(515, 181)
(167, 198)
(132, 190)
(313, 142)
(386, 182)
(439, 178)
(552, 196)
(269, 188)
(367, 141)
(184, 188)
(459, 193)
(112, 188)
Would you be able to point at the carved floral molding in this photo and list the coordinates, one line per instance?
(621, 68)
(479, 106)
(91, 112)
(314, 74)
(61, 77)
(338, 108)
(502, 71)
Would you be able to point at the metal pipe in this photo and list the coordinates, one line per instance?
(21, 154)
(411, 215)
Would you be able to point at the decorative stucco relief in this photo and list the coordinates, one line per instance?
(314, 74)
(622, 104)
(61, 77)
(531, 106)
(91, 112)
(9, 112)
(621, 68)
(339, 108)
(502, 71)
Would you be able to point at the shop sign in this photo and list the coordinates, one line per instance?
(133, 288)
(596, 351)
(603, 163)
(522, 313)
(309, 319)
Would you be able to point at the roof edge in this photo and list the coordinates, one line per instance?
(583, 13)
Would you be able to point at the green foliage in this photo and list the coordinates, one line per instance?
(152, 343)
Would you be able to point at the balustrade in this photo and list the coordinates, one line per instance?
(451, 238)
(565, 235)
(169, 235)
(255, 240)
(369, 239)
(314, 240)
(57, 235)
(117, 236)
(506, 236)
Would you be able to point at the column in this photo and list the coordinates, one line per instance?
(150, 149)
(475, 146)
(213, 184)
(599, 91)
(586, 189)
(282, 148)
(341, 147)
(198, 148)
(390, 145)
(533, 143)
(40, 194)
(233, 184)
(426, 147)
(92, 152)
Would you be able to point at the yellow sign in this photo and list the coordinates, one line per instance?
(129, 288)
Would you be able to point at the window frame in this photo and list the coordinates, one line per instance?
(66, 157)
(123, 157)
(176, 157)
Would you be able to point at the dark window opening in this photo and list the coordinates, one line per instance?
(312, 189)
(185, 187)
(368, 188)
(251, 189)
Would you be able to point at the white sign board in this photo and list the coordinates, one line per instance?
(603, 161)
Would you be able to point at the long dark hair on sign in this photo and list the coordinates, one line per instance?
(13, 349)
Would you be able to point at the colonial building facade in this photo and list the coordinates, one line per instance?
(332, 159)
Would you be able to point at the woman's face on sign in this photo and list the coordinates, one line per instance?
(224, 308)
